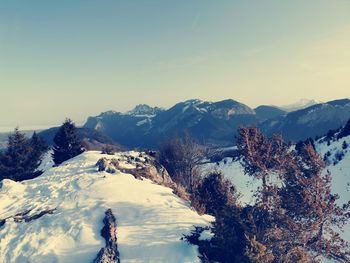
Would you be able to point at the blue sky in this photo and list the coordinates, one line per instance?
(77, 58)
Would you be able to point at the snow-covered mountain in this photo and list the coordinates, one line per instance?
(216, 123)
(145, 126)
(301, 104)
(212, 123)
(58, 216)
(309, 122)
(143, 110)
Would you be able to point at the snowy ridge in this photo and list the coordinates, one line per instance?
(151, 219)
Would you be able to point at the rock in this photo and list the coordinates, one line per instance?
(149, 169)
(109, 166)
(159, 175)
(25, 217)
(110, 253)
(102, 164)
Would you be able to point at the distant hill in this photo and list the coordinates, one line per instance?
(301, 104)
(311, 121)
(265, 112)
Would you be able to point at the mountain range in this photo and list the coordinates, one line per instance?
(312, 121)
(211, 123)
(216, 123)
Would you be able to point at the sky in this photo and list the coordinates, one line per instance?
(78, 58)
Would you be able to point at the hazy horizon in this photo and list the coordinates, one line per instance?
(81, 122)
(79, 58)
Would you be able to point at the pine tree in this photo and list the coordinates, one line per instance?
(39, 148)
(345, 131)
(66, 143)
(261, 157)
(311, 212)
(16, 157)
(297, 220)
(22, 157)
(344, 145)
(215, 193)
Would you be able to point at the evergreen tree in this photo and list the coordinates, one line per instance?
(345, 131)
(22, 157)
(311, 212)
(344, 145)
(261, 157)
(16, 157)
(215, 192)
(66, 143)
(39, 148)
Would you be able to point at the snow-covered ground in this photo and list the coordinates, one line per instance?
(234, 171)
(340, 172)
(150, 219)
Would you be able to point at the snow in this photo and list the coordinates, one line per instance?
(143, 111)
(140, 123)
(206, 235)
(340, 173)
(46, 162)
(185, 108)
(198, 105)
(301, 104)
(150, 219)
(234, 171)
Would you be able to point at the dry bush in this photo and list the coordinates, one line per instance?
(181, 192)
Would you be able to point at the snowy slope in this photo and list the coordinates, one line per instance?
(341, 169)
(233, 171)
(150, 218)
(340, 172)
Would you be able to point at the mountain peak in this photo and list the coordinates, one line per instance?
(300, 104)
(144, 110)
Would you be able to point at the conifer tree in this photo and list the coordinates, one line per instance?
(39, 148)
(215, 192)
(16, 157)
(344, 145)
(261, 157)
(308, 202)
(66, 143)
(345, 131)
(22, 157)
